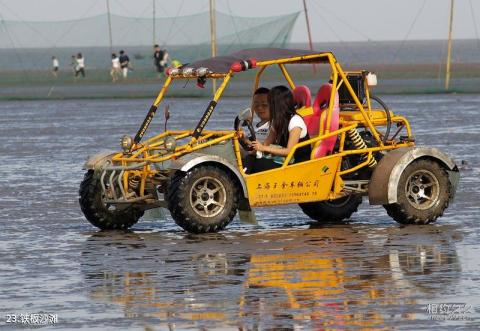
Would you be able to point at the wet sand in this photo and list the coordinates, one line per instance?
(286, 273)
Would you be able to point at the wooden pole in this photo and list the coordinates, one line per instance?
(213, 38)
(449, 53)
(308, 31)
(109, 27)
(153, 21)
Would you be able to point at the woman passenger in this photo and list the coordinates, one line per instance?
(287, 128)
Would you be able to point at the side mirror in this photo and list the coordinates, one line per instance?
(245, 115)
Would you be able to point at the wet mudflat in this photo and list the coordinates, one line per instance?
(288, 272)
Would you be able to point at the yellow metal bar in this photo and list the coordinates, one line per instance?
(294, 59)
(331, 102)
(144, 177)
(222, 87)
(125, 180)
(204, 137)
(337, 181)
(162, 91)
(314, 140)
(332, 95)
(238, 155)
(407, 124)
(216, 97)
(367, 94)
(383, 121)
(359, 104)
(195, 148)
(342, 142)
(375, 149)
(179, 153)
(361, 165)
(257, 77)
(161, 135)
(287, 76)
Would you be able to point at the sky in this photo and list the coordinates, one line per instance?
(330, 20)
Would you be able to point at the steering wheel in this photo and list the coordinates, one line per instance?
(236, 125)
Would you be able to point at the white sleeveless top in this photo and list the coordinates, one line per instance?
(261, 132)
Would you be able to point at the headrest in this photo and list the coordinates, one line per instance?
(302, 96)
(323, 97)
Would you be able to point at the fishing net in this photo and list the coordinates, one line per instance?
(187, 38)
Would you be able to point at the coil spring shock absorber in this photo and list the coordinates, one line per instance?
(133, 183)
(360, 144)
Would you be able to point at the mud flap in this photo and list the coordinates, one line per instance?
(454, 177)
(246, 214)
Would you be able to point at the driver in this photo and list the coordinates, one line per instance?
(261, 109)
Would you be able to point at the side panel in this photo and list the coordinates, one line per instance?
(303, 182)
(384, 182)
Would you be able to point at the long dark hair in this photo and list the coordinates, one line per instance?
(282, 108)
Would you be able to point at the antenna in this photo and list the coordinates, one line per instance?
(449, 54)
(308, 31)
(153, 21)
(213, 38)
(109, 26)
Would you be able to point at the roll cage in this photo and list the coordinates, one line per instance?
(359, 114)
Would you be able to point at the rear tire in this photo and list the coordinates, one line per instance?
(205, 199)
(97, 213)
(423, 193)
(333, 210)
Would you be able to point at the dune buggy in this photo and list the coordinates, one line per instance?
(359, 148)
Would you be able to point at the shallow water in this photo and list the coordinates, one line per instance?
(288, 272)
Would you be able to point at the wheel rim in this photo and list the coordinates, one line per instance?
(422, 189)
(208, 197)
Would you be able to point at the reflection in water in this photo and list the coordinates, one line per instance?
(336, 277)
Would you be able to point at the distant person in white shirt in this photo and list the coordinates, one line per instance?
(116, 70)
(55, 66)
(80, 65)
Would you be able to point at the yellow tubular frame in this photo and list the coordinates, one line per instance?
(209, 138)
(287, 75)
(358, 104)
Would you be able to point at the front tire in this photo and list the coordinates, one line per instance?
(334, 210)
(97, 213)
(423, 193)
(205, 199)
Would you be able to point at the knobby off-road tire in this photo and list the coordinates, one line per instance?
(205, 199)
(334, 210)
(423, 193)
(98, 213)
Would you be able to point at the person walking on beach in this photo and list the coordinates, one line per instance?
(115, 71)
(165, 58)
(73, 64)
(80, 65)
(124, 63)
(157, 58)
(55, 66)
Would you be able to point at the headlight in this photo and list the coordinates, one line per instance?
(170, 144)
(126, 143)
